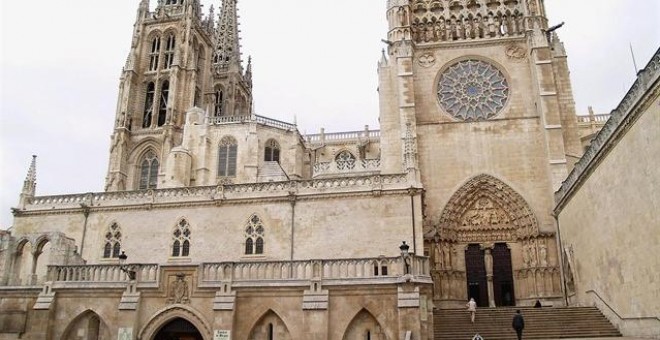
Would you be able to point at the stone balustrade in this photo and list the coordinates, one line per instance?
(599, 118)
(209, 194)
(297, 273)
(220, 120)
(343, 137)
(146, 275)
(620, 121)
(335, 168)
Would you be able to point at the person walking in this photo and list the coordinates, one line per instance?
(518, 324)
(472, 308)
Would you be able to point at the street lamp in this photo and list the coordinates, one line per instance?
(124, 268)
(405, 255)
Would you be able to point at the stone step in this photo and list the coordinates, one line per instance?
(540, 323)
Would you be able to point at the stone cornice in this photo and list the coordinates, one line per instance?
(317, 189)
(634, 104)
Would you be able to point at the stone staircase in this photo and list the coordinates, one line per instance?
(540, 323)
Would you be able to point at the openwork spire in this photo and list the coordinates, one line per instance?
(227, 50)
(30, 183)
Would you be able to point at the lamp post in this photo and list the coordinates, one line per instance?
(405, 255)
(124, 268)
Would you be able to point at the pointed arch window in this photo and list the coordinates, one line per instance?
(181, 239)
(219, 103)
(272, 152)
(149, 171)
(345, 161)
(169, 51)
(112, 247)
(162, 107)
(227, 156)
(149, 105)
(254, 236)
(154, 54)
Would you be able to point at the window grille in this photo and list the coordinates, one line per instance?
(227, 156)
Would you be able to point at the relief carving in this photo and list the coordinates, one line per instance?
(516, 52)
(487, 210)
(179, 292)
(426, 60)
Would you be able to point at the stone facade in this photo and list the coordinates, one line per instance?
(605, 254)
(237, 225)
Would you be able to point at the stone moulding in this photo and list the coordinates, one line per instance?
(622, 118)
(226, 193)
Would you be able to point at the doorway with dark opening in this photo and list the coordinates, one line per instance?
(178, 329)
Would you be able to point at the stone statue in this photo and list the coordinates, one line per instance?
(437, 254)
(525, 255)
(543, 255)
(488, 260)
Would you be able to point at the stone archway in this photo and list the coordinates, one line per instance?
(178, 329)
(87, 326)
(168, 316)
(364, 326)
(269, 327)
(487, 214)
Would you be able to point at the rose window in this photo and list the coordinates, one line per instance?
(473, 90)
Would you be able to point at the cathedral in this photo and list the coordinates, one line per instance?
(217, 223)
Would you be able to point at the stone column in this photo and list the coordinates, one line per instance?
(224, 305)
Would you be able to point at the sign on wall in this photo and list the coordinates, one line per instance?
(125, 334)
(220, 334)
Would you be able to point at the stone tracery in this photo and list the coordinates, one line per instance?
(473, 90)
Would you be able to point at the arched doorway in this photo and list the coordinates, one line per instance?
(178, 329)
(483, 244)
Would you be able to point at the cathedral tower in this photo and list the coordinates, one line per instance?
(475, 97)
(178, 60)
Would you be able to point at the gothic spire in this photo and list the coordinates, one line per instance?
(30, 183)
(227, 50)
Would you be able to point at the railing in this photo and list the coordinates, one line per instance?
(145, 274)
(599, 118)
(334, 168)
(252, 119)
(614, 128)
(225, 192)
(342, 136)
(299, 272)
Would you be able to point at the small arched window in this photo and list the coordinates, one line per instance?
(164, 98)
(227, 156)
(169, 51)
(149, 105)
(254, 236)
(154, 54)
(272, 151)
(181, 239)
(345, 161)
(219, 103)
(149, 171)
(112, 247)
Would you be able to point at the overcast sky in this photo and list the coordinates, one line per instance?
(313, 59)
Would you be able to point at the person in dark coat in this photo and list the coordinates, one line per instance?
(518, 324)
